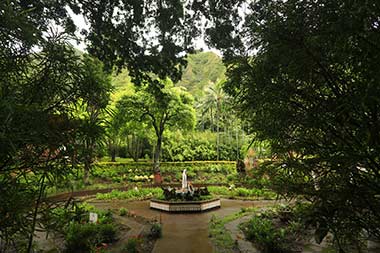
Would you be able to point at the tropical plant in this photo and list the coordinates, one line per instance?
(92, 109)
(161, 108)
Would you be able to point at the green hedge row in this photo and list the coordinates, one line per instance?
(211, 172)
(196, 163)
(145, 168)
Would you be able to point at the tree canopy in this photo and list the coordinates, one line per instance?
(162, 108)
(43, 82)
(306, 77)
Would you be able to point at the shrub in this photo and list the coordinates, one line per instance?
(107, 232)
(131, 246)
(105, 217)
(123, 211)
(131, 194)
(79, 237)
(84, 237)
(156, 230)
(242, 192)
(263, 232)
(232, 177)
(222, 190)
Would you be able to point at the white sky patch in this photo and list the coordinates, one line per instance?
(81, 24)
(200, 44)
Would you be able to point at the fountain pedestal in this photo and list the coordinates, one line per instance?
(184, 206)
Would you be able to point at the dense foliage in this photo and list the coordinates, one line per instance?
(161, 109)
(199, 146)
(218, 134)
(312, 90)
(279, 229)
(45, 100)
(201, 69)
(52, 99)
(303, 75)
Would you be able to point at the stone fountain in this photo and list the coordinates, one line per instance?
(185, 199)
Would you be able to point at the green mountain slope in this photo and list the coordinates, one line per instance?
(202, 68)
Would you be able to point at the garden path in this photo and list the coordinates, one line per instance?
(238, 236)
(135, 230)
(184, 232)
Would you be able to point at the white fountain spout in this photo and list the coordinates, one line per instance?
(184, 180)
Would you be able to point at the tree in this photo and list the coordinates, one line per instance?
(142, 36)
(213, 101)
(41, 87)
(37, 137)
(43, 81)
(310, 86)
(162, 108)
(113, 136)
(95, 90)
(217, 110)
(115, 128)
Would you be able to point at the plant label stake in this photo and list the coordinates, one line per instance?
(93, 218)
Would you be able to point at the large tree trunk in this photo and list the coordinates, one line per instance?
(88, 162)
(86, 172)
(157, 152)
(217, 132)
(156, 160)
(113, 153)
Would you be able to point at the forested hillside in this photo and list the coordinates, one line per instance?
(203, 69)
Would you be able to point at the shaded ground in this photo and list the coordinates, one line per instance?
(189, 232)
(183, 232)
(186, 232)
(138, 228)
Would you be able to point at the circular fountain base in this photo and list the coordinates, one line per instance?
(184, 206)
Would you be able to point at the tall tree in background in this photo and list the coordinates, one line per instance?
(311, 87)
(213, 101)
(162, 108)
(217, 111)
(96, 88)
(113, 134)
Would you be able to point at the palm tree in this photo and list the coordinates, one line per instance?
(212, 104)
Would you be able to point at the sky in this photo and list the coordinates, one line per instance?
(81, 24)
